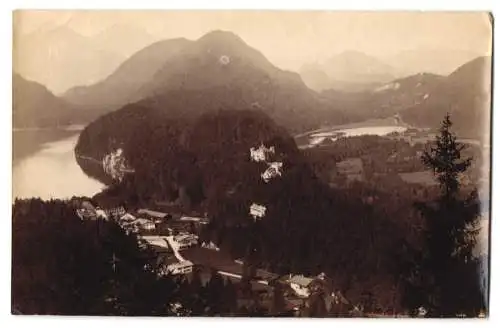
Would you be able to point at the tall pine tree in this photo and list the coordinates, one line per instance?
(445, 279)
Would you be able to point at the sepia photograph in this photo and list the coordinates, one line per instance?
(251, 163)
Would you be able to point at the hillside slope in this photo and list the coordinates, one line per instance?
(34, 106)
(122, 85)
(466, 94)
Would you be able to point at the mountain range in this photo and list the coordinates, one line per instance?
(219, 70)
(184, 79)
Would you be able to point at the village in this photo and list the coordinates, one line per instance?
(173, 239)
(172, 235)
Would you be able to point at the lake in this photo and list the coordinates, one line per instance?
(317, 137)
(44, 166)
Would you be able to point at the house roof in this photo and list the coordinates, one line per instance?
(181, 238)
(191, 218)
(87, 205)
(156, 214)
(160, 242)
(182, 264)
(128, 217)
(142, 221)
(300, 280)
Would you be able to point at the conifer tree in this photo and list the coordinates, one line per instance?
(444, 278)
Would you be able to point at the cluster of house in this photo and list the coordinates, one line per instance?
(155, 230)
(166, 249)
(143, 221)
(87, 211)
(166, 237)
(262, 154)
(169, 238)
(297, 291)
(304, 286)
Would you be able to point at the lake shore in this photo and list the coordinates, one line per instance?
(26, 142)
(45, 167)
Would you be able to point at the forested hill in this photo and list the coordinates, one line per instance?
(169, 154)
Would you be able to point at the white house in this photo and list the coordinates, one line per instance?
(183, 267)
(153, 214)
(148, 225)
(259, 154)
(210, 245)
(144, 224)
(186, 240)
(257, 211)
(84, 214)
(159, 241)
(116, 212)
(272, 171)
(127, 217)
(300, 285)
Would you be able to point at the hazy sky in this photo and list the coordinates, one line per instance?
(290, 38)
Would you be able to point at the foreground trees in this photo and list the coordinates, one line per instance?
(62, 265)
(444, 277)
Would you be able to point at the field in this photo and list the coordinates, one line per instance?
(421, 177)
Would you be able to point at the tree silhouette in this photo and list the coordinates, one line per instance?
(278, 305)
(444, 278)
(63, 265)
(317, 306)
(215, 293)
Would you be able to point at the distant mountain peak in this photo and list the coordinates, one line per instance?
(224, 43)
(350, 70)
(221, 36)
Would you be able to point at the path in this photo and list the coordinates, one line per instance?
(175, 248)
(89, 159)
